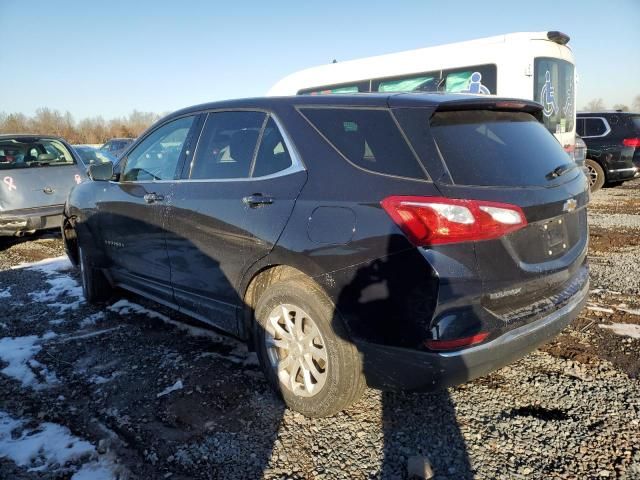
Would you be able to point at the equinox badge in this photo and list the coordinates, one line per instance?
(570, 205)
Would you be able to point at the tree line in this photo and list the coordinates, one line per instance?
(91, 130)
(597, 105)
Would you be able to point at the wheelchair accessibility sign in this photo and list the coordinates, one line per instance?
(547, 97)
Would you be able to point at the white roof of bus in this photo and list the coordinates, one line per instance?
(451, 55)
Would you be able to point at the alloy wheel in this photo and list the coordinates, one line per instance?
(296, 350)
(593, 175)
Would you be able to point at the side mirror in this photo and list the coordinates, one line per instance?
(100, 171)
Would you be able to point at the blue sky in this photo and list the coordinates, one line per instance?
(110, 57)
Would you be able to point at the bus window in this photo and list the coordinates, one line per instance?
(479, 79)
(553, 88)
(332, 89)
(421, 83)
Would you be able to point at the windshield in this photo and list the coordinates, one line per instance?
(488, 148)
(553, 87)
(33, 152)
(91, 155)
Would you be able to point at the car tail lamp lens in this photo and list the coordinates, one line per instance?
(438, 220)
(457, 342)
(631, 142)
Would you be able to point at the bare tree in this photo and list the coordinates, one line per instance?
(621, 106)
(88, 130)
(595, 105)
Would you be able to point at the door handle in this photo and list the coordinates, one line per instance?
(257, 200)
(153, 197)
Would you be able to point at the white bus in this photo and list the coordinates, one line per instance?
(536, 66)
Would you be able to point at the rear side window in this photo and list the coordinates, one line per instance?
(273, 155)
(28, 153)
(594, 127)
(489, 148)
(227, 145)
(368, 139)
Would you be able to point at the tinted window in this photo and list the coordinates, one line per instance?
(273, 155)
(635, 124)
(497, 148)
(580, 126)
(157, 156)
(369, 139)
(594, 127)
(553, 88)
(227, 145)
(27, 153)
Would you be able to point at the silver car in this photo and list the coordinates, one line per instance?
(36, 174)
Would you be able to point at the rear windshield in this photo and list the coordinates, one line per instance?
(553, 88)
(369, 139)
(29, 153)
(490, 148)
(636, 124)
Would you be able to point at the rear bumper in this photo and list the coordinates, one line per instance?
(16, 222)
(390, 368)
(618, 174)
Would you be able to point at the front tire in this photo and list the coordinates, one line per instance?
(304, 349)
(595, 174)
(95, 286)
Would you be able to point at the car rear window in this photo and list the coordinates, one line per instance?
(29, 153)
(635, 120)
(369, 139)
(489, 148)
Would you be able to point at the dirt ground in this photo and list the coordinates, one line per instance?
(159, 396)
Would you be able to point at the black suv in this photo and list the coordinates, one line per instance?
(613, 146)
(405, 241)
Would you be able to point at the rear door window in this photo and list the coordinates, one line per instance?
(367, 138)
(227, 145)
(273, 154)
(488, 148)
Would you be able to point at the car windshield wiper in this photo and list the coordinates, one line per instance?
(559, 171)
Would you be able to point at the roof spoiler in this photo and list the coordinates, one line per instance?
(497, 104)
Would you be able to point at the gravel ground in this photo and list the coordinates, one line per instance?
(159, 398)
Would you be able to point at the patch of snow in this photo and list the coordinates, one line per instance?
(92, 320)
(100, 470)
(6, 293)
(41, 448)
(176, 386)
(48, 265)
(60, 285)
(99, 379)
(18, 352)
(625, 329)
(90, 334)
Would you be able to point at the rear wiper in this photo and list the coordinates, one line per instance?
(559, 171)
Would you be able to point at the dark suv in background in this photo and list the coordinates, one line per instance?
(613, 146)
(116, 146)
(351, 240)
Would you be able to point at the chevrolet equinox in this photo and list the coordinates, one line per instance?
(411, 241)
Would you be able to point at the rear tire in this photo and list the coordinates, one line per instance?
(304, 349)
(95, 286)
(595, 174)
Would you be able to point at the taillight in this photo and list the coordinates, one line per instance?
(631, 142)
(438, 220)
(456, 342)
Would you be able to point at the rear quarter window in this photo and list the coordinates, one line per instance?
(488, 148)
(370, 139)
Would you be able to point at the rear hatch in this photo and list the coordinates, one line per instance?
(494, 151)
(35, 173)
